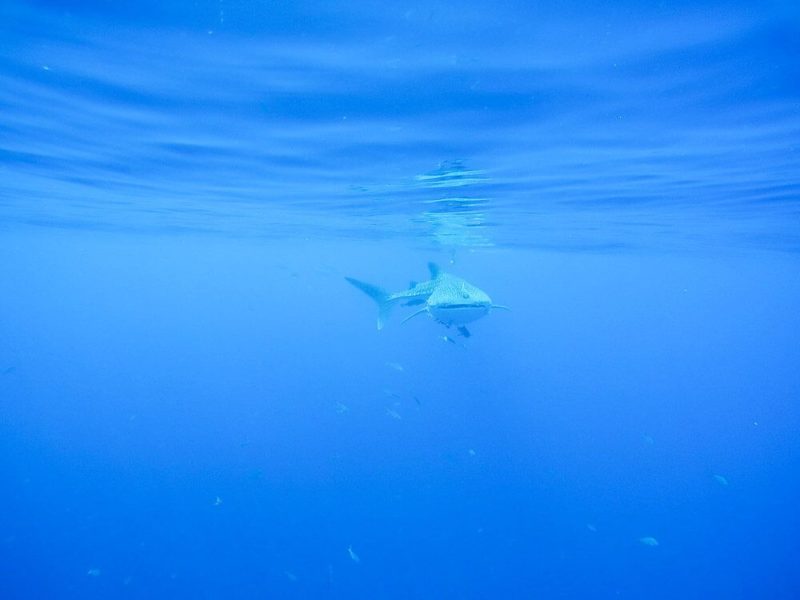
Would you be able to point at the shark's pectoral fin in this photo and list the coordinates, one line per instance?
(414, 302)
(419, 312)
(501, 307)
(464, 331)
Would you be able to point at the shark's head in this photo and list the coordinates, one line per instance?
(459, 303)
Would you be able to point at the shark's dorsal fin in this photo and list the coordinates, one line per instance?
(419, 312)
(434, 269)
(412, 284)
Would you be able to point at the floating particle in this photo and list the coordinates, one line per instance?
(471, 452)
(341, 408)
(591, 528)
(649, 541)
(396, 366)
(93, 572)
(290, 576)
(353, 555)
(648, 440)
(720, 479)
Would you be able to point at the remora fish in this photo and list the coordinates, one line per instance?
(448, 299)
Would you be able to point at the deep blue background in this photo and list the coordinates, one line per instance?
(194, 403)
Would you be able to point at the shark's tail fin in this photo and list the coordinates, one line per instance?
(380, 296)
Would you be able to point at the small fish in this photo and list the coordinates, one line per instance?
(353, 555)
(9, 370)
(217, 501)
(341, 408)
(648, 440)
(649, 541)
(392, 394)
(417, 401)
(394, 414)
(471, 452)
(720, 480)
(396, 366)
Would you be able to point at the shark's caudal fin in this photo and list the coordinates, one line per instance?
(380, 296)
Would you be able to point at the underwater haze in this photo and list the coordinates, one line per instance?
(195, 402)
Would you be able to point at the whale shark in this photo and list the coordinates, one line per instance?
(448, 299)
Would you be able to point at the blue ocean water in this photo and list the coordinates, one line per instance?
(194, 403)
